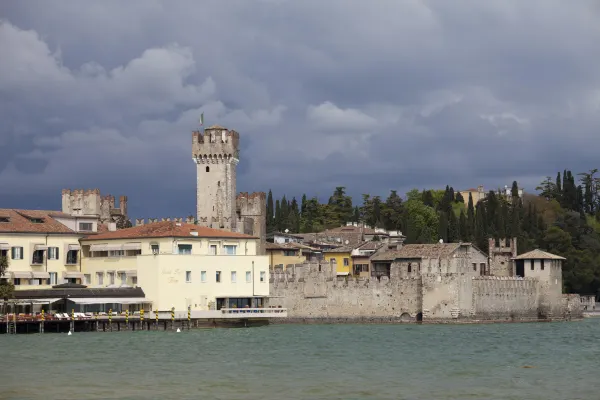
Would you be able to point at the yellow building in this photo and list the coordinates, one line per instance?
(180, 265)
(342, 258)
(42, 247)
(283, 254)
(477, 195)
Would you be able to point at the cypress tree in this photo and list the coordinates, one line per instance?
(470, 219)
(462, 227)
(270, 212)
(303, 205)
(443, 227)
(277, 219)
(453, 230)
(427, 197)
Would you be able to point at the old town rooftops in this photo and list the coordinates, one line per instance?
(32, 221)
(168, 229)
(437, 250)
(288, 246)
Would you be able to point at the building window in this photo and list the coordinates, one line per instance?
(87, 279)
(17, 281)
(289, 253)
(100, 278)
(188, 276)
(542, 265)
(229, 249)
(116, 253)
(155, 248)
(16, 253)
(233, 276)
(532, 265)
(184, 249)
(111, 278)
(262, 276)
(53, 278)
(346, 262)
(207, 169)
(248, 276)
(409, 268)
(123, 278)
(52, 253)
(482, 268)
(213, 250)
(134, 280)
(72, 256)
(218, 276)
(474, 266)
(86, 226)
(38, 257)
(203, 276)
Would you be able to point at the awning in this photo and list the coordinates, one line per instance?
(132, 272)
(98, 247)
(113, 247)
(34, 301)
(40, 275)
(4, 246)
(343, 273)
(74, 247)
(40, 247)
(73, 275)
(21, 274)
(111, 300)
(132, 246)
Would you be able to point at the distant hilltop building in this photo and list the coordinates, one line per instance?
(480, 194)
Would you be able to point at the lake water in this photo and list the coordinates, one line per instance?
(310, 362)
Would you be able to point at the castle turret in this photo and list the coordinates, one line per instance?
(215, 152)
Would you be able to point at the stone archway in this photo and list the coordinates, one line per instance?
(420, 317)
(405, 317)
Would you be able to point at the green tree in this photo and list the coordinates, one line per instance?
(463, 231)
(6, 288)
(460, 198)
(392, 212)
(123, 223)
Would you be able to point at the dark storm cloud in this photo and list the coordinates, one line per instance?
(337, 93)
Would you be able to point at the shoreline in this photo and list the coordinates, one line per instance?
(398, 321)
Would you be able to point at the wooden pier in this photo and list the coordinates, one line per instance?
(162, 321)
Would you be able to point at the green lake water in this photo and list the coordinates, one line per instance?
(310, 362)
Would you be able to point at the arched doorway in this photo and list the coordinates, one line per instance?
(405, 317)
(419, 317)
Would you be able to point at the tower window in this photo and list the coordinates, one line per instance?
(218, 183)
(207, 169)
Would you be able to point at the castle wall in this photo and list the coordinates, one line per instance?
(505, 298)
(308, 293)
(91, 203)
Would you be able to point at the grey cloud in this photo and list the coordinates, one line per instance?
(405, 94)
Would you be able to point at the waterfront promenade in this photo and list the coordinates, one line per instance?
(116, 322)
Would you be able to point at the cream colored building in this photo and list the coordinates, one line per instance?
(180, 265)
(42, 247)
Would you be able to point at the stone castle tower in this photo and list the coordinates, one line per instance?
(218, 205)
(215, 152)
(502, 251)
(92, 204)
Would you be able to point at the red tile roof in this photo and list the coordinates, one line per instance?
(167, 229)
(20, 221)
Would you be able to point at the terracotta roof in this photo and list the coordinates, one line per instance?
(20, 221)
(167, 229)
(353, 229)
(288, 246)
(438, 250)
(342, 249)
(370, 245)
(538, 254)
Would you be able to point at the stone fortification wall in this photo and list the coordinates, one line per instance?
(314, 291)
(571, 306)
(505, 298)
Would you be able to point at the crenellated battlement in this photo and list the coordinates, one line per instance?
(90, 202)
(215, 145)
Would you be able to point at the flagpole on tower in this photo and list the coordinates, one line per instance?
(202, 120)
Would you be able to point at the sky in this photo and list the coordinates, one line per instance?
(370, 95)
